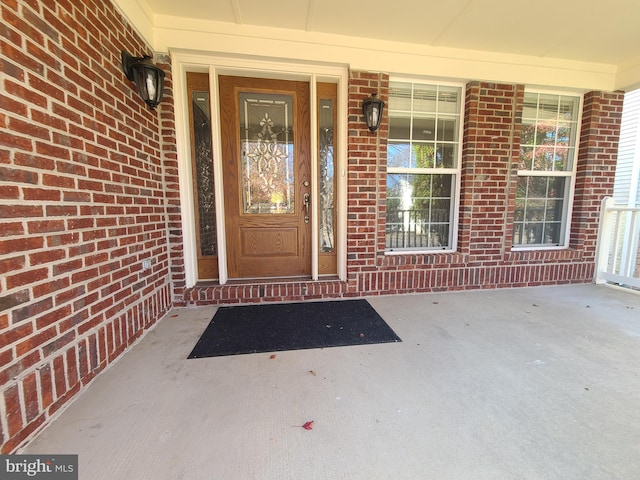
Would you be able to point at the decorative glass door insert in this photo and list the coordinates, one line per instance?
(266, 133)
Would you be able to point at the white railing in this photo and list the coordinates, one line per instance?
(618, 260)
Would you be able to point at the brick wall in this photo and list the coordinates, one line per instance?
(490, 154)
(366, 180)
(82, 203)
(484, 258)
(597, 156)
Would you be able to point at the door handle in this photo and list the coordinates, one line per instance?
(307, 201)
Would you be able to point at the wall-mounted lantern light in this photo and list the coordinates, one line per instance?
(148, 77)
(372, 109)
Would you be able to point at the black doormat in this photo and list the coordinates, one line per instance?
(292, 326)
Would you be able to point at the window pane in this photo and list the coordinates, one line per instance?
(398, 155)
(528, 136)
(530, 109)
(400, 96)
(568, 110)
(552, 233)
(554, 210)
(448, 100)
(546, 134)
(446, 156)
(536, 187)
(447, 129)
(400, 127)
(561, 159)
(557, 187)
(424, 155)
(419, 211)
(424, 98)
(424, 128)
(548, 108)
(526, 158)
(543, 158)
(540, 210)
(564, 134)
(534, 210)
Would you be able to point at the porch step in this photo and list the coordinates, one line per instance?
(267, 291)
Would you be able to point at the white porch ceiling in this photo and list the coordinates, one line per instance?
(581, 30)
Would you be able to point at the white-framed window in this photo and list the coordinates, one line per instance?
(423, 166)
(546, 170)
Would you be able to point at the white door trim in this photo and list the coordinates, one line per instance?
(186, 61)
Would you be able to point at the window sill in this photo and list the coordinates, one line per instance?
(543, 254)
(429, 257)
(417, 252)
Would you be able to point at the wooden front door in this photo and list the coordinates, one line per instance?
(266, 176)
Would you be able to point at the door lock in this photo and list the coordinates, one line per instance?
(307, 201)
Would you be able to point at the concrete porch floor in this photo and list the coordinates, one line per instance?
(532, 383)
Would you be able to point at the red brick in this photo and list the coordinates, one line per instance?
(50, 287)
(53, 317)
(18, 175)
(27, 277)
(46, 386)
(13, 411)
(58, 180)
(72, 367)
(20, 245)
(11, 229)
(30, 395)
(41, 194)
